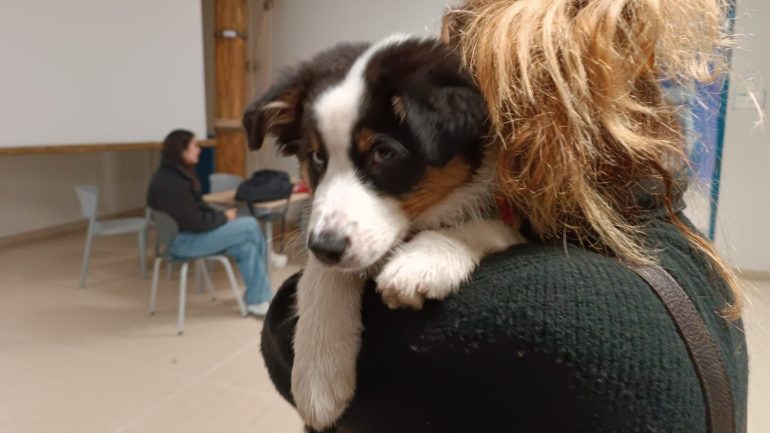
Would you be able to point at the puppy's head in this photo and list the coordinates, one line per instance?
(384, 135)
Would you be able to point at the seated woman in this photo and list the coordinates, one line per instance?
(204, 230)
(559, 335)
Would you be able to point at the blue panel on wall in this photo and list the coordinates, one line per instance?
(704, 123)
(720, 136)
(205, 167)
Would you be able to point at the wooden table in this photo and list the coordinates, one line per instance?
(227, 198)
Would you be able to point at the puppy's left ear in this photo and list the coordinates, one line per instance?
(434, 96)
(278, 113)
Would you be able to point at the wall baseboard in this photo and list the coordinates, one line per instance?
(81, 225)
(85, 148)
(61, 229)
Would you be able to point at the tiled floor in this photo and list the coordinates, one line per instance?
(92, 360)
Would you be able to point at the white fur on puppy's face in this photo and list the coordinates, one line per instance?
(342, 203)
(344, 206)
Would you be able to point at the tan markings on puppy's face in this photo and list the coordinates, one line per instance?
(280, 112)
(365, 140)
(435, 185)
(315, 142)
(399, 108)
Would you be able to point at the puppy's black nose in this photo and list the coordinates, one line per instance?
(328, 247)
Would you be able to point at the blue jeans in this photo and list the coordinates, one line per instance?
(241, 239)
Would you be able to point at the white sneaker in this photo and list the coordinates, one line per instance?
(259, 310)
(278, 261)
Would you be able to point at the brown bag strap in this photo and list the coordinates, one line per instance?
(704, 353)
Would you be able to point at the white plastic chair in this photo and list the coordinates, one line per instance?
(169, 265)
(167, 230)
(88, 195)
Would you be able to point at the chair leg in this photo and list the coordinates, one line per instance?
(269, 243)
(169, 270)
(86, 257)
(207, 279)
(143, 253)
(182, 296)
(283, 232)
(154, 289)
(198, 286)
(233, 284)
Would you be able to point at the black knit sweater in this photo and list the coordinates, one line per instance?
(543, 339)
(174, 190)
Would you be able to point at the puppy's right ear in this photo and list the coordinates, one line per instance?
(278, 112)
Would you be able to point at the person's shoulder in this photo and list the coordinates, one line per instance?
(167, 172)
(534, 292)
(540, 317)
(554, 266)
(551, 277)
(166, 177)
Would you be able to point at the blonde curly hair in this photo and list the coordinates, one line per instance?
(576, 105)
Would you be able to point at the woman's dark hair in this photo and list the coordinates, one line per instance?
(174, 145)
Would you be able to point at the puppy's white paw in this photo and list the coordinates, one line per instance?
(322, 394)
(430, 266)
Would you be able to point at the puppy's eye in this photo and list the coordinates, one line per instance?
(383, 154)
(386, 153)
(318, 160)
(291, 148)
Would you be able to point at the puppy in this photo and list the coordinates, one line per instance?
(391, 139)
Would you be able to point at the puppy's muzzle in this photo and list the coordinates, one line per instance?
(328, 246)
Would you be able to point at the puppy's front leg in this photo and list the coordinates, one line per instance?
(326, 343)
(435, 263)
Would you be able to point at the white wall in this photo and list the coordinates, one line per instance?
(94, 71)
(301, 28)
(743, 223)
(36, 190)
